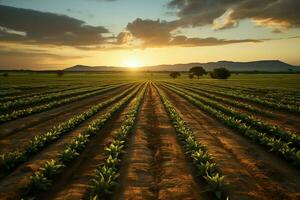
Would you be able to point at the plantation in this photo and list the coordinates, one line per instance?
(135, 135)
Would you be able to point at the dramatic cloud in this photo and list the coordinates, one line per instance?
(35, 27)
(277, 13)
(155, 33)
(152, 32)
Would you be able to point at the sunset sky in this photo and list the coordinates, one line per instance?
(54, 34)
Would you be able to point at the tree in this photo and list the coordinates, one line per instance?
(220, 73)
(198, 71)
(191, 75)
(5, 74)
(174, 74)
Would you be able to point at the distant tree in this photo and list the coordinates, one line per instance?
(191, 75)
(60, 73)
(198, 71)
(5, 74)
(220, 73)
(290, 70)
(174, 74)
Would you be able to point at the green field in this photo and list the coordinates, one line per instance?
(127, 134)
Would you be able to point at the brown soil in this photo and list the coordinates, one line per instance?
(286, 121)
(18, 125)
(11, 185)
(45, 121)
(154, 166)
(278, 121)
(74, 182)
(251, 172)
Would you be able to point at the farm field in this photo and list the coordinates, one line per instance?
(135, 135)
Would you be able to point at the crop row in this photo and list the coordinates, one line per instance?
(42, 178)
(276, 145)
(268, 94)
(202, 160)
(34, 100)
(254, 123)
(40, 108)
(265, 94)
(274, 96)
(256, 99)
(11, 160)
(230, 101)
(40, 93)
(106, 174)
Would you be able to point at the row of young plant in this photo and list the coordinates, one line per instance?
(274, 95)
(42, 178)
(268, 95)
(278, 146)
(106, 174)
(206, 168)
(34, 100)
(10, 160)
(229, 101)
(7, 92)
(251, 121)
(47, 106)
(40, 93)
(255, 99)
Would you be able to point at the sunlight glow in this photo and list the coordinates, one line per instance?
(133, 63)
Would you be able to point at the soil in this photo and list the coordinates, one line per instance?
(290, 124)
(11, 185)
(14, 126)
(11, 140)
(154, 166)
(251, 171)
(74, 182)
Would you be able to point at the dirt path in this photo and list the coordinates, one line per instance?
(154, 166)
(252, 172)
(11, 185)
(17, 139)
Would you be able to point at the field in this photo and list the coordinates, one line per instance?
(146, 136)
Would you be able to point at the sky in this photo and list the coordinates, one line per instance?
(55, 34)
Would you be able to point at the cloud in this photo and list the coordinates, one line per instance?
(26, 59)
(152, 32)
(274, 13)
(157, 33)
(37, 27)
(211, 41)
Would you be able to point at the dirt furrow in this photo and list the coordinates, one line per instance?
(74, 182)
(43, 122)
(12, 184)
(281, 121)
(251, 172)
(154, 166)
(284, 119)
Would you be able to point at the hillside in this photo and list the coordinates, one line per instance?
(265, 66)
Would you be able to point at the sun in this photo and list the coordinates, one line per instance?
(133, 63)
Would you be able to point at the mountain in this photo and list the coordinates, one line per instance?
(264, 66)
(84, 68)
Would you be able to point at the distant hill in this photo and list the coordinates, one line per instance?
(262, 66)
(84, 68)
